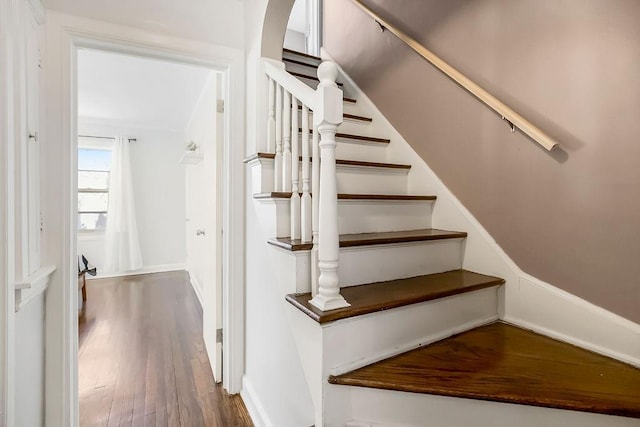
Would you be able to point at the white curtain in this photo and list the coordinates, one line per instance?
(122, 249)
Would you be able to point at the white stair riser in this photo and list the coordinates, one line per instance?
(372, 407)
(297, 68)
(387, 333)
(351, 179)
(357, 216)
(370, 216)
(378, 263)
(361, 150)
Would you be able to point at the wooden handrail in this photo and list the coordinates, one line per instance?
(514, 119)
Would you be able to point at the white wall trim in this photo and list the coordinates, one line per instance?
(33, 286)
(196, 288)
(550, 311)
(76, 32)
(528, 302)
(254, 405)
(7, 227)
(150, 269)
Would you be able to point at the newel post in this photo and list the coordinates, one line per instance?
(327, 116)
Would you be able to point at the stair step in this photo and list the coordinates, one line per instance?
(503, 363)
(301, 54)
(300, 62)
(308, 77)
(374, 297)
(357, 137)
(366, 239)
(348, 116)
(339, 162)
(342, 196)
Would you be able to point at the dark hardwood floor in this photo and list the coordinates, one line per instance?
(142, 360)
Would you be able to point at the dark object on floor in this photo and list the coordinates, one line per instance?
(83, 270)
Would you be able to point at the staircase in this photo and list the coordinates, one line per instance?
(419, 335)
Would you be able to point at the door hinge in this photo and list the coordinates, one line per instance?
(219, 336)
(220, 105)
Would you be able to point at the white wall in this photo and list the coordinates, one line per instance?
(213, 21)
(274, 386)
(29, 368)
(295, 40)
(159, 190)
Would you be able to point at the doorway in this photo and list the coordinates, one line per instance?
(149, 161)
(62, 321)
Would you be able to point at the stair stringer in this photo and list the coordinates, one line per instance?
(330, 348)
(377, 408)
(565, 317)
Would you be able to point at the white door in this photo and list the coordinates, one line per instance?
(204, 219)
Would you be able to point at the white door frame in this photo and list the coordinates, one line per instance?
(76, 34)
(314, 18)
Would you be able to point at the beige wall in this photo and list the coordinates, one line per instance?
(571, 218)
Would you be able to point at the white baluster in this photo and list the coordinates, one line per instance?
(277, 185)
(327, 116)
(286, 153)
(306, 197)
(271, 123)
(315, 208)
(295, 191)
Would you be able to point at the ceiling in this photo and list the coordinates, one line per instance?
(139, 92)
(213, 21)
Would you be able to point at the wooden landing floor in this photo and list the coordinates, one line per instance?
(503, 363)
(142, 360)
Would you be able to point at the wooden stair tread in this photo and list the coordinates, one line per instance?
(299, 62)
(357, 137)
(308, 76)
(381, 296)
(363, 138)
(356, 117)
(366, 239)
(302, 54)
(351, 196)
(503, 363)
(348, 116)
(339, 162)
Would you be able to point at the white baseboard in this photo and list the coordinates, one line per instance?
(196, 287)
(529, 302)
(144, 270)
(540, 307)
(253, 404)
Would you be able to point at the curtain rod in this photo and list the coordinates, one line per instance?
(104, 137)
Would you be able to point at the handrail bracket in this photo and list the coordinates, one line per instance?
(510, 123)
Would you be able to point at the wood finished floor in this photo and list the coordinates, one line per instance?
(142, 360)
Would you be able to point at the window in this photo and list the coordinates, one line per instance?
(94, 165)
